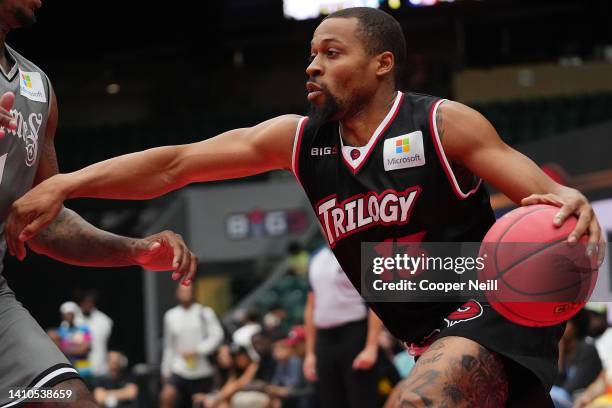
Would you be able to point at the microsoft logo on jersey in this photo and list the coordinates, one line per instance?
(402, 145)
(404, 151)
(31, 86)
(27, 82)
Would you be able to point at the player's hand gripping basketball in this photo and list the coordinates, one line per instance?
(571, 202)
(6, 119)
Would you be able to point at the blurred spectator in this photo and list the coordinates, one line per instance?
(286, 387)
(262, 344)
(192, 332)
(243, 335)
(297, 340)
(602, 333)
(298, 259)
(276, 319)
(599, 319)
(224, 366)
(341, 337)
(242, 373)
(287, 381)
(75, 339)
(579, 363)
(117, 389)
(100, 326)
(598, 394)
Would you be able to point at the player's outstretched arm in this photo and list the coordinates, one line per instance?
(151, 173)
(469, 140)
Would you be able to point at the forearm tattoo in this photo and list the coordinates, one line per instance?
(71, 239)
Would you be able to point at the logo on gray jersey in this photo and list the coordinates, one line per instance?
(27, 130)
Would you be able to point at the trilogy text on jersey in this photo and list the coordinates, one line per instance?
(364, 211)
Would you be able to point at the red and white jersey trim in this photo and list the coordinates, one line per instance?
(366, 150)
(297, 141)
(442, 156)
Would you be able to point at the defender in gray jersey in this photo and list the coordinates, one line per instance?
(28, 117)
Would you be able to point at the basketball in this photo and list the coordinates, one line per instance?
(542, 280)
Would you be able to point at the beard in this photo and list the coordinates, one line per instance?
(320, 115)
(23, 18)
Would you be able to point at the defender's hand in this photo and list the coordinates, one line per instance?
(31, 214)
(6, 119)
(166, 251)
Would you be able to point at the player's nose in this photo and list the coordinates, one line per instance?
(314, 69)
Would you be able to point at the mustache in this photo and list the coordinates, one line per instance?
(323, 87)
(319, 115)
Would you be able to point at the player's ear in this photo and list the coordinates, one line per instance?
(385, 62)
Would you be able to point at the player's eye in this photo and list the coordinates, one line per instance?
(331, 53)
(311, 57)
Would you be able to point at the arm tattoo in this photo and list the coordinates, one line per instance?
(71, 239)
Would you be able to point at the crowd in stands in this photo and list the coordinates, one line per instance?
(584, 358)
(83, 335)
(260, 363)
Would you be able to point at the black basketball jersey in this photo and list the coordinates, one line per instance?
(400, 187)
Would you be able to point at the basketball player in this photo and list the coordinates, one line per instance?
(345, 150)
(28, 113)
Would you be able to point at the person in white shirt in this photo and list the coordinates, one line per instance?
(243, 335)
(100, 327)
(341, 337)
(192, 333)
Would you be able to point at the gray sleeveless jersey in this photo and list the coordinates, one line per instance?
(20, 150)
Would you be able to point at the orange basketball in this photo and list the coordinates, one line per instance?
(542, 280)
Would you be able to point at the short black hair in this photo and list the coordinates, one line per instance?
(236, 349)
(81, 295)
(252, 314)
(582, 323)
(381, 32)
